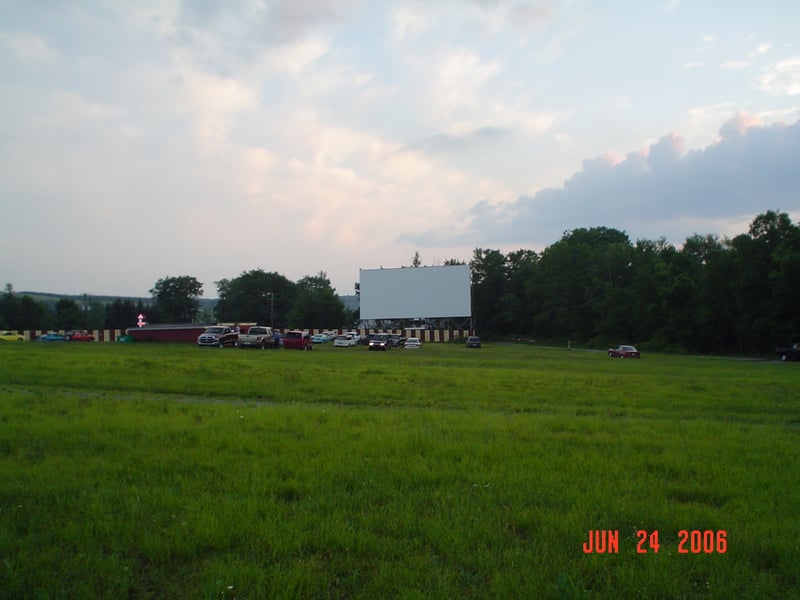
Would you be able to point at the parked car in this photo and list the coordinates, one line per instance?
(380, 341)
(51, 336)
(298, 340)
(356, 336)
(11, 336)
(412, 343)
(344, 341)
(473, 341)
(624, 352)
(789, 352)
(257, 336)
(79, 335)
(320, 338)
(396, 340)
(218, 335)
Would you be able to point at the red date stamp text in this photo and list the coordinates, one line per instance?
(694, 541)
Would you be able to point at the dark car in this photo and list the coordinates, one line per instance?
(297, 340)
(473, 341)
(380, 341)
(789, 352)
(624, 352)
(397, 340)
(79, 335)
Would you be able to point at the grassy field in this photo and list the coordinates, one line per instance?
(168, 471)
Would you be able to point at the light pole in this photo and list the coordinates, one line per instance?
(271, 309)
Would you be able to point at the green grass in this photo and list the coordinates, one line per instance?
(153, 471)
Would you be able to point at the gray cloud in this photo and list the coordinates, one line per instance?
(661, 192)
(474, 140)
(267, 22)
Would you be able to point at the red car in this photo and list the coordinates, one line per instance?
(79, 335)
(299, 340)
(624, 352)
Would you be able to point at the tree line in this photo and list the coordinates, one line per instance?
(595, 287)
(253, 296)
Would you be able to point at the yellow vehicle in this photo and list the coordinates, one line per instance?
(11, 336)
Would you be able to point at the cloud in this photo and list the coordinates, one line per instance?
(760, 49)
(527, 15)
(661, 191)
(477, 139)
(782, 79)
(28, 48)
(461, 73)
(735, 64)
(295, 57)
(694, 64)
(409, 21)
(270, 22)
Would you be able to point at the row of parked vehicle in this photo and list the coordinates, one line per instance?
(74, 335)
(259, 336)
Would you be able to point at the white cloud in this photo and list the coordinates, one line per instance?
(760, 49)
(671, 5)
(295, 57)
(735, 64)
(409, 21)
(28, 48)
(694, 64)
(782, 79)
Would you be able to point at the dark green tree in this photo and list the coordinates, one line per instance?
(255, 296)
(317, 305)
(767, 286)
(650, 282)
(68, 315)
(33, 315)
(585, 279)
(121, 314)
(9, 308)
(23, 312)
(489, 284)
(175, 299)
(517, 304)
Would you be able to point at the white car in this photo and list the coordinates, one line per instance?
(344, 341)
(412, 343)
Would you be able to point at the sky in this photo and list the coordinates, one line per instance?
(158, 138)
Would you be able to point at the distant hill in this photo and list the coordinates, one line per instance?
(350, 302)
(206, 304)
(49, 298)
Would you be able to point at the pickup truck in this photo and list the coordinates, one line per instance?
(789, 353)
(218, 335)
(257, 336)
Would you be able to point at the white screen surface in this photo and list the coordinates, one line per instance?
(415, 292)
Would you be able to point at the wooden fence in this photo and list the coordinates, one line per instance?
(425, 335)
